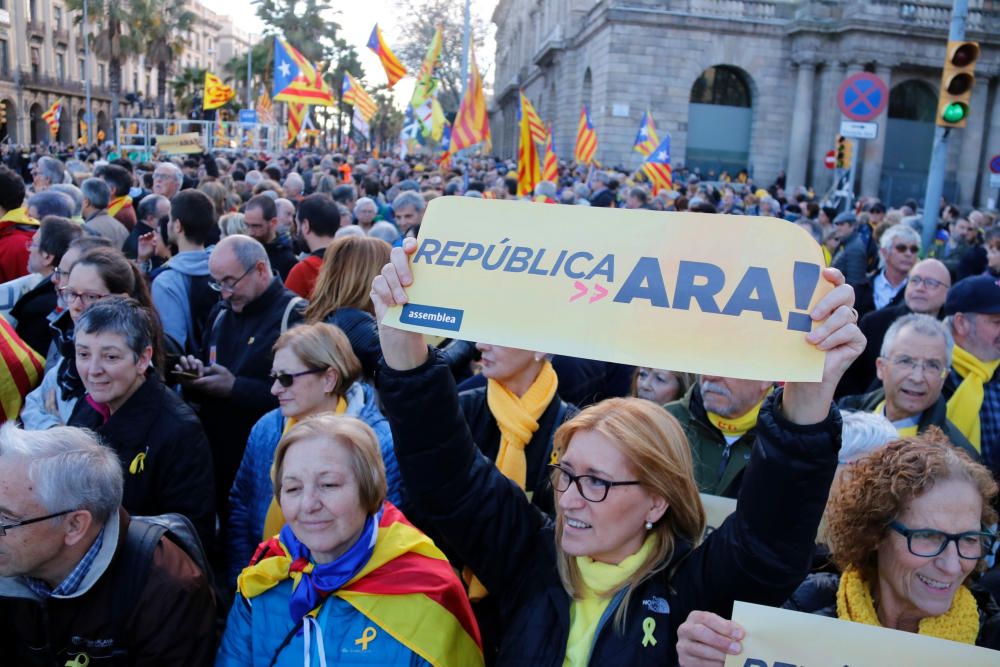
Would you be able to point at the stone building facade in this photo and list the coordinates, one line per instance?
(749, 83)
(42, 60)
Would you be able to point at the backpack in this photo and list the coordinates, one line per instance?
(136, 557)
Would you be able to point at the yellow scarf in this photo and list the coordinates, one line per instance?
(517, 419)
(600, 581)
(903, 431)
(965, 403)
(959, 624)
(738, 426)
(118, 203)
(275, 519)
(19, 216)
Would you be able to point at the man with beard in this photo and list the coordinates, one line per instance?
(318, 221)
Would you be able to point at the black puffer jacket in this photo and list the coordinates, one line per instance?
(362, 333)
(510, 544)
(818, 595)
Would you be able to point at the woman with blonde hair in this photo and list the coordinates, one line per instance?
(341, 297)
(626, 541)
(232, 223)
(314, 372)
(348, 580)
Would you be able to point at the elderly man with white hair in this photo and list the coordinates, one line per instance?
(167, 179)
(77, 579)
(47, 172)
(294, 186)
(899, 249)
(365, 211)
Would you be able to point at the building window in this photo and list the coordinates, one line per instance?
(721, 85)
(4, 62)
(36, 61)
(58, 16)
(135, 81)
(33, 11)
(149, 78)
(100, 75)
(61, 66)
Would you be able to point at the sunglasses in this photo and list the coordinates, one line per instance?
(902, 247)
(286, 380)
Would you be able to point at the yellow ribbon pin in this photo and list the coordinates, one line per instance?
(648, 627)
(138, 464)
(366, 636)
(81, 660)
(554, 458)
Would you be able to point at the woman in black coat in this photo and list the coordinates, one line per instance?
(611, 579)
(163, 449)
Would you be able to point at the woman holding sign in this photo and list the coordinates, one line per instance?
(609, 581)
(908, 526)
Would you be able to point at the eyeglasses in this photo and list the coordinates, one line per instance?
(591, 488)
(930, 283)
(86, 298)
(230, 287)
(4, 527)
(928, 543)
(286, 380)
(902, 247)
(930, 367)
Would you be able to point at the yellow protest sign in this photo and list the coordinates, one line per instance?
(782, 638)
(189, 142)
(715, 294)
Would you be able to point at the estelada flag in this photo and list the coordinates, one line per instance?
(529, 172)
(296, 79)
(394, 70)
(216, 93)
(550, 166)
(22, 370)
(657, 166)
(646, 140)
(52, 115)
(352, 93)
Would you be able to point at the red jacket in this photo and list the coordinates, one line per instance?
(302, 277)
(16, 230)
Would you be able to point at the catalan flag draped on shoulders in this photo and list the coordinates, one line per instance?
(586, 139)
(392, 591)
(21, 370)
(472, 123)
(394, 70)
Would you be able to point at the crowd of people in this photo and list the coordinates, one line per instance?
(211, 452)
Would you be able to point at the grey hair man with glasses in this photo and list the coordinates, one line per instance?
(64, 551)
(913, 364)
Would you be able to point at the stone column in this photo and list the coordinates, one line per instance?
(972, 143)
(828, 124)
(992, 144)
(874, 149)
(798, 144)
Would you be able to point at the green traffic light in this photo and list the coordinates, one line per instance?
(954, 112)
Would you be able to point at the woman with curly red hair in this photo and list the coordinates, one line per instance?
(907, 527)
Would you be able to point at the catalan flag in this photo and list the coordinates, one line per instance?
(534, 122)
(472, 124)
(406, 588)
(426, 85)
(550, 166)
(265, 110)
(657, 166)
(21, 369)
(296, 79)
(352, 93)
(645, 139)
(444, 162)
(84, 137)
(220, 135)
(296, 115)
(394, 69)
(586, 139)
(51, 117)
(529, 172)
(216, 93)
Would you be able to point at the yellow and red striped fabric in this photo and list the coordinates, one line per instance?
(394, 70)
(21, 371)
(472, 123)
(352, 93)
(586, 139)
(550, 167)
(529, 173)
(407, 588)
(296, 115)
(216, 93)
(534, 122)
(51, 117)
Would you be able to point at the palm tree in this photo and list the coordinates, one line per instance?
(162, 24)
(112, 42)
(187, 88)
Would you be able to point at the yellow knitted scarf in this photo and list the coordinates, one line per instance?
(959, 624)
(965, 403)
(517, 419)
(739, 425)
(275, 519)
(19, 216)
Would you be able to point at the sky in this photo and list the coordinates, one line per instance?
(356, 18)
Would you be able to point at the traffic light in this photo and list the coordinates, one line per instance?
(957, 81)
(845, 150)
(3, 113)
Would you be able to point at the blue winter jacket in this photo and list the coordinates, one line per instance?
(251, 494)
(256, 629)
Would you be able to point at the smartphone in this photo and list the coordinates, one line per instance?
(191, 375)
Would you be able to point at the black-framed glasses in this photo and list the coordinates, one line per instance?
(590, 487)
(225, 286)
(929, 282)
(286, 380)
(86, 298)
(4, 527)
(928, 543)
